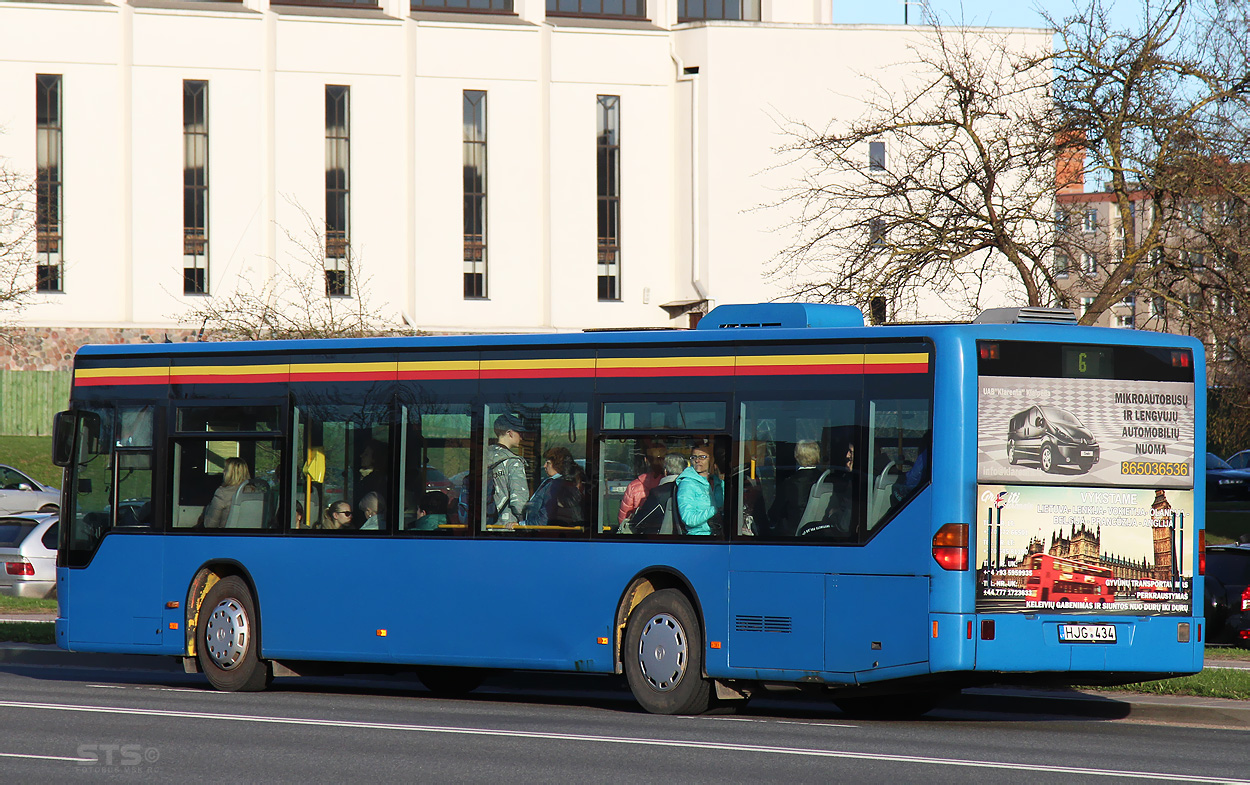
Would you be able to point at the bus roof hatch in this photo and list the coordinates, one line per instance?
(782, 315)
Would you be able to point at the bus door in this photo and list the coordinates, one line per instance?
(108, 540)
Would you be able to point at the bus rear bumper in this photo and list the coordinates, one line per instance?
(1030, 643)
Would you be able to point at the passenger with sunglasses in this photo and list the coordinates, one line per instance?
(338, 515)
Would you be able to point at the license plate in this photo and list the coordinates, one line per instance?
(1087, 453)
(1087, 633)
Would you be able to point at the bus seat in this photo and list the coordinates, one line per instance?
(881, 491)
(817, 500)
(247, 510)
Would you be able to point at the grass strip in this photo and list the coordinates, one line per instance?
(25, 605)
(27, 632)
(1227, 653)
(1211, 683)
(33, 455)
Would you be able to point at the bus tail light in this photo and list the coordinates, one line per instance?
(19, 568)
(1202, 551)
(950, 546)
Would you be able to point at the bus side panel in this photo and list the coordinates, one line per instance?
(116, 600)
(875, 621)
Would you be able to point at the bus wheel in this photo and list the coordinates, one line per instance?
(890, 707)
(664, 655)
(227, 639)
(446, 682)
(1048, 458)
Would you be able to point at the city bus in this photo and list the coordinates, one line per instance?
(298, 507)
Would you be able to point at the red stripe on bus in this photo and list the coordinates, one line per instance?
(102, 381)
(465, 374)
(667, 370)
(897, 368)
(798, 370)
(539, 373)
(345, 376)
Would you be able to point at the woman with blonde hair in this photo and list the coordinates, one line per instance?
(234, 474)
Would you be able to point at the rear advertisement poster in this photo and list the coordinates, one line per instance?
(1084, 550)
(1085, 432)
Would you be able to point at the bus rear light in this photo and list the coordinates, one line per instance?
(969, 630)
(1182, 632)
(1202, 551)
(987, 629)
(935, 629)
(950, 546)
(19, 568)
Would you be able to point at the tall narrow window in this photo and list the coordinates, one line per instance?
(474, 194)
(194, 186)
(876, 156)
(50, 265)
(608, 166)
(338, 257)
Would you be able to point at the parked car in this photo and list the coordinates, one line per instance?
(1051, 437)
(28, 551)
(1224, 483)
(1227, 587)
(20, 493)
(1240, 460)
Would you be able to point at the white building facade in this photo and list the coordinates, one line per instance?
(524, 165)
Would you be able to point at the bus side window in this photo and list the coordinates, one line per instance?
(226, 464)
(343, 469)
(435, 462)
(899, 441)
(797, 466)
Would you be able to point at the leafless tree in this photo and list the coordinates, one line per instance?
(1162, 110)
(943, 187)
(17, 233)
(297, 301)
(983, 136)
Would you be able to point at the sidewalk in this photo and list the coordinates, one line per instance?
(1088, 704)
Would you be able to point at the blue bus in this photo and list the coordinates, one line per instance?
(882, 514)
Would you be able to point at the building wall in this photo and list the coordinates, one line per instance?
(703, 110)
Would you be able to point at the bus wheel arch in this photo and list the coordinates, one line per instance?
(645, 583)
(222, 599)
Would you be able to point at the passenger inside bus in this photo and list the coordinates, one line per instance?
(701, 493)
(234, 474)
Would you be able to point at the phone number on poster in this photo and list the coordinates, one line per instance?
(1154, 469)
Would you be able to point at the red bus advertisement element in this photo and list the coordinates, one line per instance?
(1066, 580)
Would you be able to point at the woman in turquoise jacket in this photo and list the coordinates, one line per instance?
(700, 494)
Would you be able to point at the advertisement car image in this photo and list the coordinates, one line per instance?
(1051, 437)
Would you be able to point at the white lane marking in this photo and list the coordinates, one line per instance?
(775, 722)
(154, 689)
(45, 757)
(638, 741)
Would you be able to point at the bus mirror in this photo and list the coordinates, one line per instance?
(63, 439)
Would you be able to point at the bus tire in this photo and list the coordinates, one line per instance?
(450, 682)
(1048, 458)
(227, 645)
(664, 655)
(890, 707)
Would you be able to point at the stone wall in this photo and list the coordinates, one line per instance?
(52, 348)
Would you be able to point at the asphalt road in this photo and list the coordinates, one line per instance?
(58, 723)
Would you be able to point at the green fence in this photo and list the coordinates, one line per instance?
(29, 399)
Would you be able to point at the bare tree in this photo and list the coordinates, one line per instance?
(985, 134)
(945, 186)
(1162, 110)
(17, 233)
(298, 302)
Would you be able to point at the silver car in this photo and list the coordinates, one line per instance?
(28, 553)
(21, 493)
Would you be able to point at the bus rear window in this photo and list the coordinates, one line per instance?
(1079, 361)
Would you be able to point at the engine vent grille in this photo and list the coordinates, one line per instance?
(783, 624)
